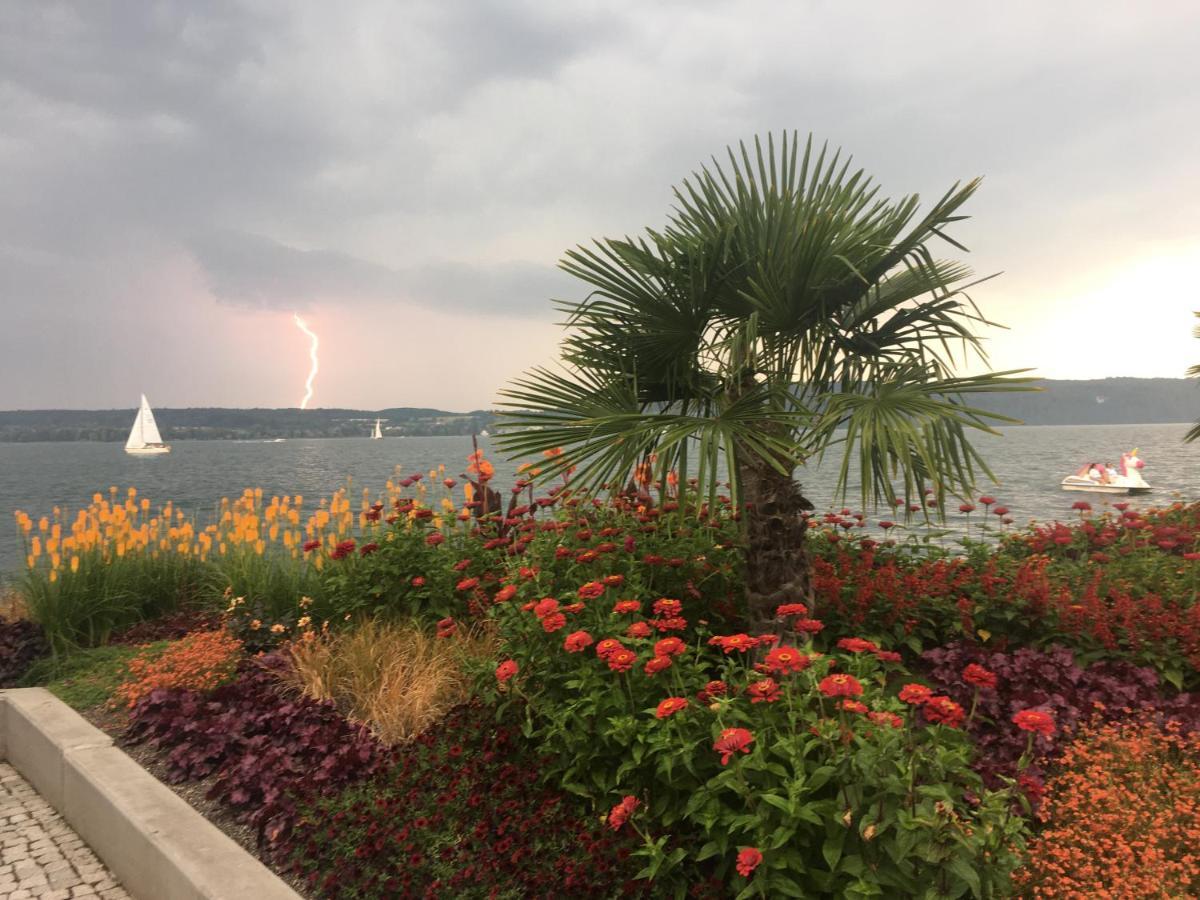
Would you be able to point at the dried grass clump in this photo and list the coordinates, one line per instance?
(396, 678)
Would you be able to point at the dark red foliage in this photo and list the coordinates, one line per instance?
(21, 642)
(1049, 680)
(461, 814)
(267, 751)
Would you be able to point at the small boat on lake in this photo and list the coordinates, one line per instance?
(144, 439)
(377, 434)
(1099, 478)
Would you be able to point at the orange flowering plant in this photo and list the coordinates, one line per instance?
(201, 661)
(788, 771)
(1122, 816)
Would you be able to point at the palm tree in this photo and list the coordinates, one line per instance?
(785, 312)
(1194, 372)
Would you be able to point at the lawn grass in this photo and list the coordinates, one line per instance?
(88, 678)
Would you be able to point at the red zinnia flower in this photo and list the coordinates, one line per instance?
(840, 686)
(342, 550)
(671, 646)
(784, 659)
(944, 710)
(621, 660)
(858, 645)
(854, 706)
(446, 628)
(311, 545)
(553, 622)
(765, 691)
(979, 676)
(1035, 720)
(916, 694)
(748, 860)
(731, 741)
(607, 647)
(886, 718)
(545, 607)
(620, 813)
(505, 593)
(627, 606)
(591, 590)
(435, 538)
(657, 664)
(808, 626)
(966, 507)
(576, 641)
(670, 706)
(731, 642)
(506, 670)
(787, 610)
(666, 607)
(614, 580)
(639, 630)
(888, 656)
(418, 581)
(712, 689)
(467, 584)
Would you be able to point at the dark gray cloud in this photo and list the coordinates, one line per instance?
(386, 156)
(249, 270)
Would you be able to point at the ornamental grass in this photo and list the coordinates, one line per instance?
(1122, 817)
(394, 677)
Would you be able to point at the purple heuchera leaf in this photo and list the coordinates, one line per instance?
(1048, 679)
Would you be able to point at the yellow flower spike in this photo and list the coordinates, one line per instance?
(74, 564)
(43, 524)
(145, 505)
(55, 560)
(35, 546)
(30, 560)
(55, 531)
(97, 498)
(53, 576)
(221, 548)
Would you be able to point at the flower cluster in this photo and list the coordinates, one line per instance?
(197, 662)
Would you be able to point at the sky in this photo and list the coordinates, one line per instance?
(177, 180)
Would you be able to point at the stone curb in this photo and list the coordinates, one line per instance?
(158, 846)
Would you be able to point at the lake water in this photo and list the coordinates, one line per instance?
(1029, 462)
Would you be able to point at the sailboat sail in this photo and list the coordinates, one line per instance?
(145, 430)
(377, 434)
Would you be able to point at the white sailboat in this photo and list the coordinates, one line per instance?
(144, 439)
(377, 434)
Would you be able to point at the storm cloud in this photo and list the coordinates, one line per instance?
(175, 176)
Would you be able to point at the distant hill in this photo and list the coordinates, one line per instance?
(1107, 401)
(1102, 401)
(215, 423)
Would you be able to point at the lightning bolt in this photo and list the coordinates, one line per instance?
(312, 355)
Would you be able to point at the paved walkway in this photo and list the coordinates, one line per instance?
(40, 856)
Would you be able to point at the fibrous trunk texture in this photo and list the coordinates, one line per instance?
(777, 565)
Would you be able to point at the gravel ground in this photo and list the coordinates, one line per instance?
(40, 856)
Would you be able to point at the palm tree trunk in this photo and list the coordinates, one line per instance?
(777, 566)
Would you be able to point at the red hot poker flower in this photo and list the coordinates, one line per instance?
(1035, 720)
(670, 706)
(840, 686)
(731, 741)
(748, 860)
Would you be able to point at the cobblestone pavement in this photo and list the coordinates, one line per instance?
(40, 856)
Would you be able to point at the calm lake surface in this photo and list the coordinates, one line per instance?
(1029, 462)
